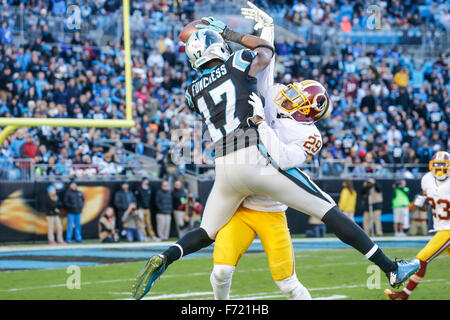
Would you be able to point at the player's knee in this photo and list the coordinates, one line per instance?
(222, 274)
(293, 289)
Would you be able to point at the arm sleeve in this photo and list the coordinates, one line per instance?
(67, 199)
(285, 155)
(117, 201)
(125, 215)
(158, 201)
(265, 78)
(423, 186)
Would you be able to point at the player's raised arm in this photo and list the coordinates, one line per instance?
(263, 49)
(265, 23)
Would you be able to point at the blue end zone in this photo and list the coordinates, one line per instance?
(88, 256)
(385, 217)
(31, 264)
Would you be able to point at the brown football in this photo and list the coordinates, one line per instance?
(189, 29)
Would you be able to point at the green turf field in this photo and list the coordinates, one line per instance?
(331, 274)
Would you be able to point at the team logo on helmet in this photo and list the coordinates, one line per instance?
(305, 101)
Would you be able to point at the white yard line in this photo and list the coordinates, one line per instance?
(265, 295)
(251, 296)
(332, 297)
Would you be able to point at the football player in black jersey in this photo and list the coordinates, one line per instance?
(221, 95)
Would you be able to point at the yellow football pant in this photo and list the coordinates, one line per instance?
(438, 244)
(236, 236)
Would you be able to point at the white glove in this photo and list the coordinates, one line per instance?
(258, 109)
(254, 13)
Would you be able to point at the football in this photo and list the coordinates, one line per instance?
(189, 29)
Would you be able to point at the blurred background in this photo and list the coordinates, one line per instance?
(385, 65)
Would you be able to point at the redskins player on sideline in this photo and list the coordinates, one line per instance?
(226, 96)
(436, 187)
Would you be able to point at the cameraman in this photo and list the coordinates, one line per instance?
(131, 220)
(400, 206)
(179, 197)
(419, 216)
(192, 212)
(372, 204)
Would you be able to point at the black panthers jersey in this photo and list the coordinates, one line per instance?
(221, 96)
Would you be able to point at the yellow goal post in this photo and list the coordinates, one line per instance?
(12, 124)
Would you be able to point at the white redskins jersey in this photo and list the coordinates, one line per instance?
(438, 195)
(289, 131)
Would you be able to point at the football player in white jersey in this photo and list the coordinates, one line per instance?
(291, 138)
(436, 188)
(262, 216)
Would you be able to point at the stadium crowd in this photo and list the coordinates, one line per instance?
(388, 108)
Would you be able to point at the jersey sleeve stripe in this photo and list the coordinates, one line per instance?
(238, 62)
(189, 99)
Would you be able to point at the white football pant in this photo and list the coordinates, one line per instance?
(247, 171)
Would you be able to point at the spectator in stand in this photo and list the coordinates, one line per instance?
(16, 144)
(107, 226)
(122, 200)
(400, 206)
(143, 196)
(29, 149)
(52, 207)
(179, 199)
(84, 78)
(74, 202)
(372, 204)
(347, 199)
(6, 34)
(131, 220)
(345, 25)
(164, 207)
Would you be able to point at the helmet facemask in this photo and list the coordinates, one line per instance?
(440, 169)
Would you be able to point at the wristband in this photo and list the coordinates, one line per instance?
(267, 47)
(233, 36)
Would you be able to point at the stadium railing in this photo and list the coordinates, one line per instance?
(100, 28)
(17, 170)
(27, 170)
(337, 168)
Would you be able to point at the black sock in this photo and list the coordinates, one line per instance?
(352, 234)
(385, 264)
(190, 242)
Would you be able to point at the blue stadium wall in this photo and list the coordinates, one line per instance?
(31, 193)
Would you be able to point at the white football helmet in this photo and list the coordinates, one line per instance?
(205, 45)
